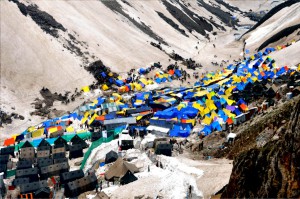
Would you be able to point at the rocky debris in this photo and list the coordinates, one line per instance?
(6, 118)
(272, 171)
(172, 23)
(225, 17)
(45, 21)
(43, 107)
(199, 24)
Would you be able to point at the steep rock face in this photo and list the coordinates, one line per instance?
(272, 171)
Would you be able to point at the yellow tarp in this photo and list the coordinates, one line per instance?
(37, 133)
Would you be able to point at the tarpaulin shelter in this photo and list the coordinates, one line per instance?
(119, 170)
(110, 157)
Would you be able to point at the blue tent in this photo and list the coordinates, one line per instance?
(178, 73)
(142, 71)
(103, 74)
(119, 83)
(158, 80)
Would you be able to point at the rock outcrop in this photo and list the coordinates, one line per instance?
(272, 171)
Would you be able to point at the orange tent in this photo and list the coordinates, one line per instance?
(101, 117)
(244, 107)
(9, 141)
(171, 72)
(229, 121)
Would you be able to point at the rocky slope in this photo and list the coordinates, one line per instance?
(271, 171)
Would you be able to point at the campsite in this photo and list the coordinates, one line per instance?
(141, 132)
(195, 123)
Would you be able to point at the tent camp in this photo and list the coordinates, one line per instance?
(31, 173)
(4, 159)
(32, 187)
(8, 151)
(61, 142)
(24, 164)
(27, 153)
(121, 170)
(71, 176)
(27, 144)
(96, 136)
(54, 169)
(110, 157)
(75, 151)
(20, 181)
(77, 140)
(43, 154)
(78, 186)
(42, 192)
(44, 143)
(43, 162)
(59, 160)
(128, 178)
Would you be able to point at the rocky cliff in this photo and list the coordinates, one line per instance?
(272, 171)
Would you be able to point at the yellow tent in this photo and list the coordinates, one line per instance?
(85, 89)
(70, 129)
(117, 96)
(144, 81)
(105, 87)
(31, 129)
(93, 118)
(207, 120)
(37, 133)
(53, 129)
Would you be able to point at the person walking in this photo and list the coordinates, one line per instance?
(190, 191)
